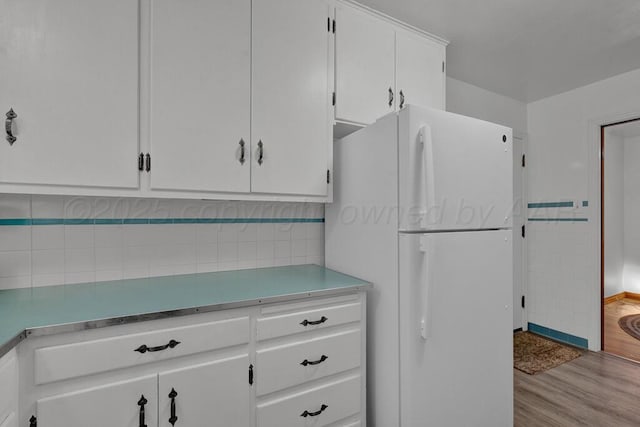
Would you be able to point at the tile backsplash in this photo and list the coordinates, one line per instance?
(52, 240)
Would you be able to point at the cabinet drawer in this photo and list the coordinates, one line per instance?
(307, 320)
(336, 401)
(8, 385)
(284, 366)
(90, 357)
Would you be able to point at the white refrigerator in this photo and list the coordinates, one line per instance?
(422, 208)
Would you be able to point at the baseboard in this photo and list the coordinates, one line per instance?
(622, 295)
(615, 297)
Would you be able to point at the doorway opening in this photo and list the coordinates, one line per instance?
(620, 238)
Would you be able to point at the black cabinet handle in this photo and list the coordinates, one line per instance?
(306, 362)
(241, 151)
(144, 348)
(148, 161)
(141, 162)
(401, 100)
(141, 404)
(33, 421)
(390, 97)
(260, 152)
(306, 322)
(172, 396)
(8, 126)
(306, 414)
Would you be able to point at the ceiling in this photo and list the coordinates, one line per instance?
(528, 49)
(626, 130)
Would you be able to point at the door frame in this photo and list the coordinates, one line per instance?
(594, 169)
(522, 137)
(602, 213)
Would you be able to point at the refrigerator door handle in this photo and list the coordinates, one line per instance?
(426, 140)
(427, 247)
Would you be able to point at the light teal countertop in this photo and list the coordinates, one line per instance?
(55, 309)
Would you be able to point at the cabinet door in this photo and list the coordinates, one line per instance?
(365, 66)
(70, 73)
(420, 71)
(212, 394)
(200, 94)
(8, 385)
(10, 421)
(291, 122)
(111, 405)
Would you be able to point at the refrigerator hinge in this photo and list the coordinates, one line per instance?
(522, 301)
(524, 231)
(328, 176)
(524, 161)
(250, 374)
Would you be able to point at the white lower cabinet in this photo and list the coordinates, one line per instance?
(324, 405)
(10, 421)
(209, 369)
(215, 394)
(126, 404)
(8, 389)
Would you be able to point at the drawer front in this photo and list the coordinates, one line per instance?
(334, 401)
(8, 385)
(90, 357)
(307, 320)
(284, 366)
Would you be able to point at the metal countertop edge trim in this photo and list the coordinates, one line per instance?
(167, 314)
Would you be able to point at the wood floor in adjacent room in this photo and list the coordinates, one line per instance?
(596, 389)
(616, 340)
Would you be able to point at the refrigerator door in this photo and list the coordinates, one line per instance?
(455, 172)
(456, 356)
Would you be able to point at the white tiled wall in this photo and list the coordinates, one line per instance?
(41, 255)
(563, 164)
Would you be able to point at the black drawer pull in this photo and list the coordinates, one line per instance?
(141, 404)
(306, 322)
(305, 362)
(144, 348)
(306, 414)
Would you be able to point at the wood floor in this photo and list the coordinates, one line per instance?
(616, 340)
(596, 389)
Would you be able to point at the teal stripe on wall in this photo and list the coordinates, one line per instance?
(105, 221)
(559, 219)
(550, 205)
(558, 335)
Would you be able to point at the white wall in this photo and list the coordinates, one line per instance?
(109, 238)
(631, 215)
(469, 100)
(614, 208)
(564, 257)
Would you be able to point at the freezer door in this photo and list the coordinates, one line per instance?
(456, 357)
(455, 172)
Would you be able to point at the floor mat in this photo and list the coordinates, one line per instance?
(533, 353)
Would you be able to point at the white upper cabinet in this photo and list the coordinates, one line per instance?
(381, 66)
(291, 112)
(420, 71)
(365, 66)
(70, 73)
(200, 95)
